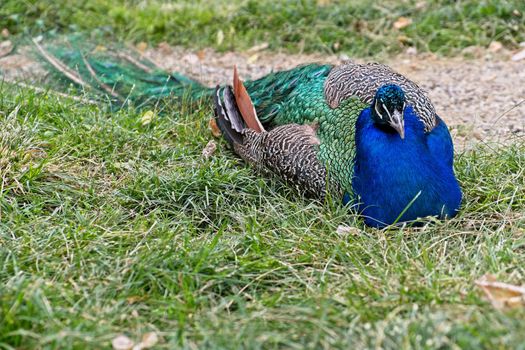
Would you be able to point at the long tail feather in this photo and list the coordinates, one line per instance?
(100, 83)
(117, 72)
(234, 116)
(60, 66)
(235, 111)
(134, 61)
(245, 104)
(229, 120)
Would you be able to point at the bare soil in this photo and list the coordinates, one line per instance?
(481, 99)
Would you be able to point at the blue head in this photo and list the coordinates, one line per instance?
(387, 108)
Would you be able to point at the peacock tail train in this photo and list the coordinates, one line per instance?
(111, 73)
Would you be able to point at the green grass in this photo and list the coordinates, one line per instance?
(357, 28)
(110, 227)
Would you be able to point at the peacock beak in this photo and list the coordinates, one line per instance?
(397, 123)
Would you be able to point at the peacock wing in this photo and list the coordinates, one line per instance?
(289, 152)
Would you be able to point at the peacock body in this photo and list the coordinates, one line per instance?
(361, 132)
(374, 133)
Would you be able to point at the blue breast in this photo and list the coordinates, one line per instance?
(398, 179)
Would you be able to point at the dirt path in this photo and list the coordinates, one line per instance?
(474, 96)
(481, 99)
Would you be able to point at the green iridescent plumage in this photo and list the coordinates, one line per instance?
(297, 96)
(117, 74)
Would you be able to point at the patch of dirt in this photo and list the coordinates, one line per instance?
(20, 66)
(481, 99)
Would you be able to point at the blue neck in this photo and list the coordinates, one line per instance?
(390, 173)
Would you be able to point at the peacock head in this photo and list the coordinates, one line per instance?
(387, 108)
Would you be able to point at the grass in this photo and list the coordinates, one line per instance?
(357, 28)
(111, 227)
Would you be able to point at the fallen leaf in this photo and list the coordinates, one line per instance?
(122, 342)
(142, 46)
(477, 135)
(147, 118)
(475, 51)
(149, 339)
(403, 39)
(201, 54)
(360, 25)
(5, 48)
(5, 32)
(495, 46)
(209, 149)
(215, 131)
(343, 230)
(134, 299)
(420, 5)
(164, 48)
(100, 48)
(220, 36)
(518, 56)
(402, 22)
(191, 58)
(257, 48)
(501, 295)
(252, 59)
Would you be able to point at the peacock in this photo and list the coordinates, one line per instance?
(361, 133)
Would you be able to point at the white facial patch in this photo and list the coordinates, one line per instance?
(377, 111)
(397, 118)
(387, 112)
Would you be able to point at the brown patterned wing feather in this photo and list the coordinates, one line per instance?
(290, 152)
